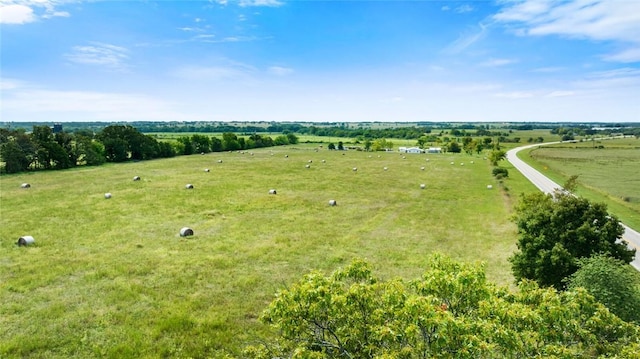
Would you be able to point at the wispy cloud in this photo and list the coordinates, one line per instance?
(279, 71)
(515, 95)
(99, 54)
(20, 12)
(465, 8)
(269, 3)
(498, 62)
(225, 70)
(550, 69)
(617, 21)
(466, 39)
(560, 93)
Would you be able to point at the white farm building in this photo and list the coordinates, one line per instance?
(409, 150)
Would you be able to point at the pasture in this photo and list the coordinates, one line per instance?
(113, 278)
(607, 172)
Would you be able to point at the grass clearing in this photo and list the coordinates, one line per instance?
(608, 174)
(113, 278)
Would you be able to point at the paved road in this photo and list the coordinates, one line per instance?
(548, 186)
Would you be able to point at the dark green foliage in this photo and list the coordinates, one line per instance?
(500, 172)
(496, 156)
(555, 231)
(450, 312)
(454, 147)
(612, 282)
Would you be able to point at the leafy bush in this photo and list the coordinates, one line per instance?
(500, 172)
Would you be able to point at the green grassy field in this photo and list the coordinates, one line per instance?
(113, 278)
(608, 174)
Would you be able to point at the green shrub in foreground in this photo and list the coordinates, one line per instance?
(451, 311)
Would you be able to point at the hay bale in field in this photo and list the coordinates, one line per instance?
(25, 241)
(188, 186)
(461, 164)
(489, 186)
(25, 185)
(286, 156)
(136, 178)
(310, 161)
(452, 163)
(423, 186)
(385, 168)
(272, 191)
(471, 162)
(202, 153)
(206, 170)
(422, 168)
(332, 202)
(355, 169)
(107, 195)
(323, 161)
(186, 231)
(427, 160)
(219, 161)
(307, 166)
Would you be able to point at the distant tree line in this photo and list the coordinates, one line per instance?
(42, 149)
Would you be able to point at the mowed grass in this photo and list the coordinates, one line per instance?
(113, 278)
(610, 174)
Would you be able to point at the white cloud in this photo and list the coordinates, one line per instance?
(548, 69)
(279, 71)
(464, 9)
(269, 3)
(560, 93)
(515, 95)
(100, 54)
(626, 56)
(498, 62)
(16, 14)
(41, 104)
(229, 70)
(610, 20)
(25, 11)
(465, 40)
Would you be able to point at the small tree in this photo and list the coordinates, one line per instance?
(496, 156)
(612, 282)
(331, 146)
(557, 230)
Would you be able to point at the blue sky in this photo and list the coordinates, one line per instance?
(337, 61)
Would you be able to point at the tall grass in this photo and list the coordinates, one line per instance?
(113, 278)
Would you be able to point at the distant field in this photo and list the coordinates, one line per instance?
(608, 171)
(112, 278)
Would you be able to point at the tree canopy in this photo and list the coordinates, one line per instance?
(556, 231)
(452, 311)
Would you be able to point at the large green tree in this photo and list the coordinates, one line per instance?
(555, 231)
(613, 283)
(450, 312)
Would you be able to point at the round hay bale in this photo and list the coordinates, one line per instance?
(186, 231)
(307, 166)
(355, 169)
(427, 160)
(404, 157)
(251, 153)
(286, 156)
(25, 241)
(489, 186)
(471, 162)
(219, 161)
(206, 170)
(385, 168)
(310, 161)
(461, 164)
(136, 178)
(422, 168)
(323, 161)
(202, 153)
(378, 156)
(423, 186)
(188, 186)
(25, 185)
(332, 202)
(272, 191)
(107, 195)
(452, 163)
